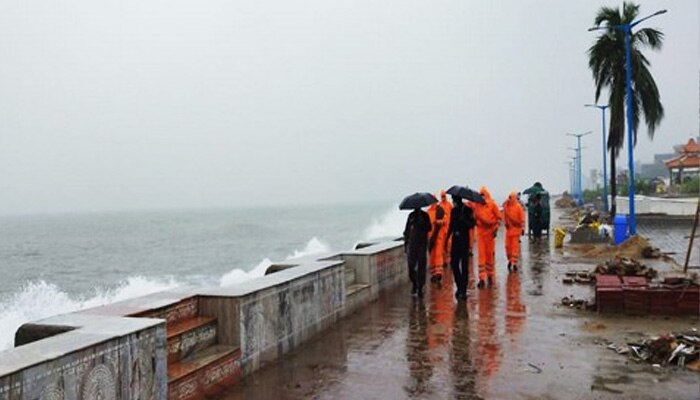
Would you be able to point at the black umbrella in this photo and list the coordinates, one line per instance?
(417, 200)
(466, 193)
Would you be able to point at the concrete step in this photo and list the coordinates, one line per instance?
(355, 288)
(204, 373)
(173, 313)
(190, 335)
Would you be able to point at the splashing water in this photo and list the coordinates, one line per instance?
(237, 275)
(389, 225)
(39, 299)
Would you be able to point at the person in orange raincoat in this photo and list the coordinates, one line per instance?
(447, 206)
(436, 241)
(514, 220)
(487, 219)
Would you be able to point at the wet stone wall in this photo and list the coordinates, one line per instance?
(100, 354)
(276, 320)
(126, 367)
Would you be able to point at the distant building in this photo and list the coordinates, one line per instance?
(686, 162)
(655, 169)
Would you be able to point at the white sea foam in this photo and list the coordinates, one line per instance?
(237, 275)
(313, 246)
(39, 299)
(389, 225)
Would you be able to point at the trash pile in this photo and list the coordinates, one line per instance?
(570, 301)
(565, 201)
(581, 277)
(681, 349)
(620, 266)
(591, 229)
(625, 266)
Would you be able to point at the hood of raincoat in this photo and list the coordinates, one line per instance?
(485, 192)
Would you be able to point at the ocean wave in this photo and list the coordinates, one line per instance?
(39, 299)
(389, 225)
(237, 275)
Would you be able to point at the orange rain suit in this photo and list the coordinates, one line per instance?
(436, 259)
(514, 219)
(487, 218)
(447, 206)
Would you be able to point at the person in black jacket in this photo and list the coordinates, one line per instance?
(461, 222)
(537, 217)
(415, 238)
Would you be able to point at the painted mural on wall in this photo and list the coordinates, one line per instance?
(388, 264)
(272, 321)
(124, 368)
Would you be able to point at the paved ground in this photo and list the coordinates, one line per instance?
(671, 235)
(510, 341)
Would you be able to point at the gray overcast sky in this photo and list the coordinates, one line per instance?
(160, 104)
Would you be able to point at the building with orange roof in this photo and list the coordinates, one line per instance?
(686, 164)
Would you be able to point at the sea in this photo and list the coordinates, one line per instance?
(59, 263)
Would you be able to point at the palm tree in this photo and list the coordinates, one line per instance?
(606, 59)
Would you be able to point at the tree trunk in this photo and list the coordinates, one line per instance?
(613, 185)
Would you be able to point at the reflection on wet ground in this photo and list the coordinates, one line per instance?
(508, 341)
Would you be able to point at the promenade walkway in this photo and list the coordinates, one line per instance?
(510, 341)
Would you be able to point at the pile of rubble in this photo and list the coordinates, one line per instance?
(625, 266)
(591, 229)
(681, 349)
(620, 266)
(581, 304)
(565, 201)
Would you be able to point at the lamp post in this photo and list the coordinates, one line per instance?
(605, 163)
(571, 177)
(575, 189)
(627, 29)
(578, 160)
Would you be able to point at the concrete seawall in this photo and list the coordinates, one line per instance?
(174, 345)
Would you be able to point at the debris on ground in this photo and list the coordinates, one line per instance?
(565, 201)
(625, 266)
(582, 277)
(593, 326)
(631, 248)
(535, 367)
(620, 266)
(681, 349)
(651, 252)
(590, 229)
(570, 301)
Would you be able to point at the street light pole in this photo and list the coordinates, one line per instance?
(571, 178)
(605, 162)
(575, 191)
(578, 156)
(627, 29)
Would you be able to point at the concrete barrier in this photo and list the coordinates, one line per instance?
(658, 205)
(97, 357)
(270, 316)
(122, 350)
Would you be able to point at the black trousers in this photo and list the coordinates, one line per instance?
(537, 229)
(417, 260)
(459, 261)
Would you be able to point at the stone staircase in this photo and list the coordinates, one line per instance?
(198, 365)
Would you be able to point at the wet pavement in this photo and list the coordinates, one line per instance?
(513, 340)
